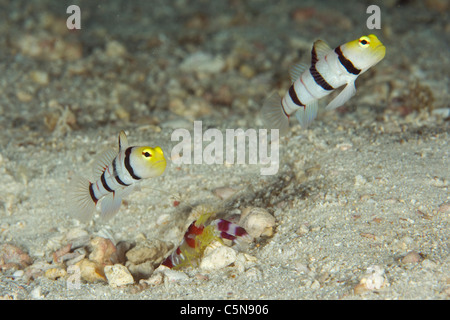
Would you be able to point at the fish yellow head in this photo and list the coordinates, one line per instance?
(364, 52)
(147, 162)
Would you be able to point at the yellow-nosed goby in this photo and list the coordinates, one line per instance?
(329, 70)
(116, 174)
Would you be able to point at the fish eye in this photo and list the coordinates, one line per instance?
(364, 42)
(146, 154)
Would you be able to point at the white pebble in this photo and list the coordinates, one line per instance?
(36, 293)
(257, 222)
(202, 62)
(155, 279)
(428, 264)
(360, 180)
(315, 285)
(18, 274)
(224, 193)
(374, 278)
(218, 258)
(118, 275)
(174, 275)
(115, 49)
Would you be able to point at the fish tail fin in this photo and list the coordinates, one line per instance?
(274, 115)
(79, 200)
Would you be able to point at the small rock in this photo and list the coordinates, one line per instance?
(444, 207)
(302, 230)
(253, 272)
(315, 285)
(247, 71)
(103, 249)
(428, 264)
(411, 257)
(257, 222)
(39, 77)
(300, 267)
(218, 258)
(18, 274)
(140, 271)
(43, 45)
(12, 257)
(191, 108)
(36, 293)
(146, 250)
(202, 62)
(91, 271)
(61, 252)
(24, 96)
(373, 280)
(360, 180)
(122, 113)
(118, 275)
(77, 237)
(174, 275)
(74, 257)
(36, 270)
(55, 273)
(224, 193)
(244, 261)
(155, 279)
(360, 288)
(120, 255)
(223, 96)
(115, 49)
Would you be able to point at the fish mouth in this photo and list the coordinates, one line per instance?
(380, 51)
(160, 166)
(159, 162)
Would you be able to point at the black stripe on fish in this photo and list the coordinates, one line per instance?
(116, 173)
(348, 65)
(128, 165)
(294, 97)
(319, 79)
(91, 192)
(104, 183)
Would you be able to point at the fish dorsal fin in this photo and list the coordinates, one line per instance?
(123, 141)
(319, 51)
(102, 161)
(296, 71)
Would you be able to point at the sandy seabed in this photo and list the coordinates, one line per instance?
(361, 198)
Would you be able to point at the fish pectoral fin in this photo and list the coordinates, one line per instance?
(126, 191)
(123, 141)
(274, 116)
(345, 95)
(296, 71)
(307, 114)
(110, 206)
